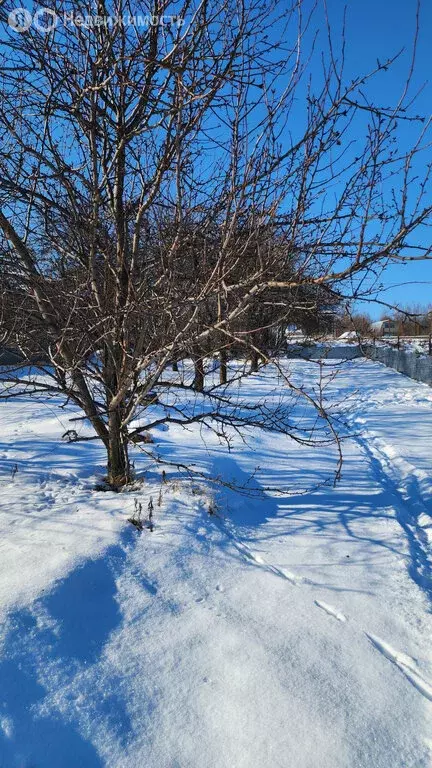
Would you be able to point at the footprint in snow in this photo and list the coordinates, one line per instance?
(330, 610)
(282, 572)
(405, 664)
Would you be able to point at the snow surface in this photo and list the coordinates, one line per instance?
(287, 629)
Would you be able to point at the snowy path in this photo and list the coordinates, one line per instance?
(288, 631)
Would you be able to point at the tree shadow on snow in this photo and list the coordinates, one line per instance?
(357, 512)
(85, 613)
(44, 456)
(28, 741)
(242, 495)
(84, 605)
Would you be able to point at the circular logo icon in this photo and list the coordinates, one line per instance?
(20, 19)
(45, 20)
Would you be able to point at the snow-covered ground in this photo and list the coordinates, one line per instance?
(287, 630)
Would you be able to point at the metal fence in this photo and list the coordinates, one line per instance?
(409, 362)
(399, 342)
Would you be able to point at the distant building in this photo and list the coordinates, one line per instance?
(384, 327)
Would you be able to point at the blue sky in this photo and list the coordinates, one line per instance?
(379, 29)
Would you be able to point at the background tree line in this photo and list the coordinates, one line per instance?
(187, 191)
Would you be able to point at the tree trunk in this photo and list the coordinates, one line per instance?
(254, 362)
(223, 366)
(175, 366)
(198, 382)
(119, 472)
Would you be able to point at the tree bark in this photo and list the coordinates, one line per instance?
(223, 366)
(119, 472)
(198, 382)
(254, 362)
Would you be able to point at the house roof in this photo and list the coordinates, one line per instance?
(379, 324)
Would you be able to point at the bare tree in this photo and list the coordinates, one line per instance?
(356, 322)
(164, 196)
(414, 320)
